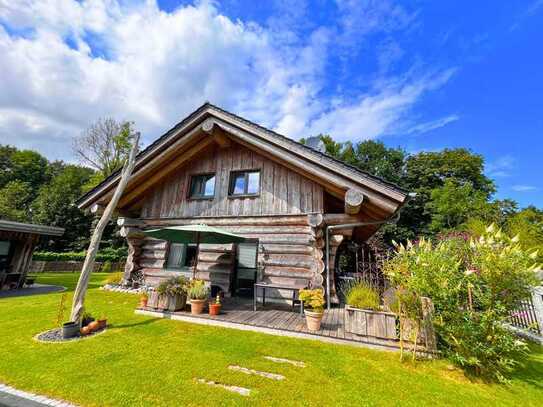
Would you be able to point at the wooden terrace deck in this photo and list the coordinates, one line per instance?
(277, 319)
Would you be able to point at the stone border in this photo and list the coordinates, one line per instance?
(34, 397)
(71, 340)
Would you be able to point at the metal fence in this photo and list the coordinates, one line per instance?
(525, 317)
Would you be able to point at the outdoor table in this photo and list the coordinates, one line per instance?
(295, 290)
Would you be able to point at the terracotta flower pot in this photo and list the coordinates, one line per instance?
(85, 330)
(93, 326)
(313, 320)
(214, 309)
(197, 306)
(102, 323)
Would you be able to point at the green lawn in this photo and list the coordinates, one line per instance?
(146, 361)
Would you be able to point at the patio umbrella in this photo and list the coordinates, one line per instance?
(195, 234)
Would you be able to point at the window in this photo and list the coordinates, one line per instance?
(244, 183)
(202, 186)
(181, 255)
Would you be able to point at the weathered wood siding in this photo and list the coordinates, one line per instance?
(282, 191)
(290, 251)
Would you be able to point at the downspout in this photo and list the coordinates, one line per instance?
(394, 218)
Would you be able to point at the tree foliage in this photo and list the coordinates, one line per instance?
(15, 199)
(105, 145)
(55, 206)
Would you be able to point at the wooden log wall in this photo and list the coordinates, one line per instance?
(288, 252)
(282, 191)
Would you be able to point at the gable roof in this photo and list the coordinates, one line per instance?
(261, 137)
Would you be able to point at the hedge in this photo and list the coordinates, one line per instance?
(107, 254)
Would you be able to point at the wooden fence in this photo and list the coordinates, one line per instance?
(526, 317)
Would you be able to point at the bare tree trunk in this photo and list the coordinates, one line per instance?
(88, 265)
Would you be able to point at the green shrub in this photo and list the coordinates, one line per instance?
(197, 290)
(115, 278)
(106, 267)
(360, 295)
(474, 284)
(107, 254)
(173, 286)
(313, 299)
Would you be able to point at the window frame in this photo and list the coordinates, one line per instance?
(193, 177)
(245, 194)
(183, 267)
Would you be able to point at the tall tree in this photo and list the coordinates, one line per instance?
(55, 206)
(104, 145)
(427, 171)
(15, 199)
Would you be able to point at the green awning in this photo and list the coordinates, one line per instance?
(194, 234)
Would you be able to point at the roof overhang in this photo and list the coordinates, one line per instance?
(30, 228)
(203, 126)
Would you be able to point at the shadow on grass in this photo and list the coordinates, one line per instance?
(141, 323)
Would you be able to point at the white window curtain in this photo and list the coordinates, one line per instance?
(175, 256)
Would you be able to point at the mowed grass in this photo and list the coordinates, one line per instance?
(146, 361)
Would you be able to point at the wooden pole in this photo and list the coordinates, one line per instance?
(197, 255)
(88, 265)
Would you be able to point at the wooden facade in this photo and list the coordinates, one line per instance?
(17, 243)
(301, 193)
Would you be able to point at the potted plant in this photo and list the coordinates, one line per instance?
(93, 326)
(172, 294)
(144, 297)
(215, 307)
(102, 322)
(70, 330)
(314, 307)
(86, 318)
(363, 312)
(198, 293)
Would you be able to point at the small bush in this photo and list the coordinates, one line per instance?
(360, 295)
(313, 299)
(106, 267)
(198, 290)
(115, 278)
(173, 286)
(474, 284)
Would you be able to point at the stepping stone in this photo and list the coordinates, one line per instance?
(234, 389)
(268, 375)
(282, 360)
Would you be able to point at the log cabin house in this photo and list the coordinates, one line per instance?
(296, 203)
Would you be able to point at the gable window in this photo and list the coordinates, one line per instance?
(202, 186)
(244, 183)
(181, 255)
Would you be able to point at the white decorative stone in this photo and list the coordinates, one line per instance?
(234, 389)
(267, 375)
(283, 360)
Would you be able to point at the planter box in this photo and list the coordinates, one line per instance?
(167, 302)
(379, 324)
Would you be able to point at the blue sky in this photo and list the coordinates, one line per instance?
(423, 75)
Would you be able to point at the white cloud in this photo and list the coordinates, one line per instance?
(425, 127)
(81, 60)
(524, 188)
(501, 167)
